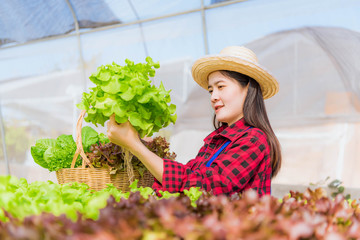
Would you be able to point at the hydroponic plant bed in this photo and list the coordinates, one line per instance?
(46, 210)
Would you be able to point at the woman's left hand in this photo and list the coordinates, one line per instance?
(123, 134)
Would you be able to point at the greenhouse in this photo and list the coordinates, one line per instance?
(49, 51)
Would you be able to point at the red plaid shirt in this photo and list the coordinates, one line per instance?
(243, 164)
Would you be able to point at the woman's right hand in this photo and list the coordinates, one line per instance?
(123, 134)
(126, 136)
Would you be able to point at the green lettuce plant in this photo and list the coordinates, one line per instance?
(127, 92)
(22, 199)
(55, 154)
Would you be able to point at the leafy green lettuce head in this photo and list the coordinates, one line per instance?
(55, 154)
(127, 92)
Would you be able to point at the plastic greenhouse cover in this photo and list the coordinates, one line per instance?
(128, 11)
(21, 22)
(317, 73)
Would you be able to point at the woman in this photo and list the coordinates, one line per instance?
(243, 151)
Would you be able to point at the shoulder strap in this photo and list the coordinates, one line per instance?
(208, 164)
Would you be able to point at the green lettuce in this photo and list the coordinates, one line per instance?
(61, 155)
(127, 92)
(39, 149)
(22, 199)
(55, 154)
(89, 136)
(103, 138)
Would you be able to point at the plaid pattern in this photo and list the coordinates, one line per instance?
(243, 164)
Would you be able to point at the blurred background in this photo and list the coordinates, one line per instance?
(48, 49)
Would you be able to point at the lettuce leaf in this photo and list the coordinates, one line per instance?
(61, 155)
(103, 138)
(89, 137)
(37, 151)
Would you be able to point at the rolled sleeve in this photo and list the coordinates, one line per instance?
(177, 177)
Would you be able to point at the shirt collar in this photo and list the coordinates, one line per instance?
(230, 132)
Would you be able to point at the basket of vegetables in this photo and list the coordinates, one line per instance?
(105, 163)
(128, 93)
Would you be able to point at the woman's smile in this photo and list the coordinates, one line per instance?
(217, 108)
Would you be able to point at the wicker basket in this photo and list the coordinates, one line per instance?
(97, 178)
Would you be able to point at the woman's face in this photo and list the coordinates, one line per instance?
(227, 97)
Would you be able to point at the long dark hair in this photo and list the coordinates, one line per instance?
(255, 115)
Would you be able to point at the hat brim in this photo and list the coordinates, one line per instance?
(206, 65)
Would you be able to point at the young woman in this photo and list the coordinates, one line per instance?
(243, 151)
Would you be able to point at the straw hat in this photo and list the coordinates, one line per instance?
(237, 59)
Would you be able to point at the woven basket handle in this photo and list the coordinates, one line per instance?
(79, 146)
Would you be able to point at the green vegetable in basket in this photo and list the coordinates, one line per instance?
(55, 154)
(89, 136)
(127, 92)
(39, 149)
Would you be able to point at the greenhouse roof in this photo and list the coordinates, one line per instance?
(23, 22)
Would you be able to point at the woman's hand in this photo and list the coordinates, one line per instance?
(126, 136)
(123, 134)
